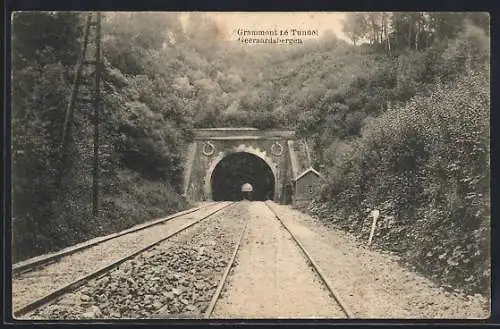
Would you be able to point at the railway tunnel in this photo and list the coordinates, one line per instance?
(239, 168)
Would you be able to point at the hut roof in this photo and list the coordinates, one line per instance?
(305, 172)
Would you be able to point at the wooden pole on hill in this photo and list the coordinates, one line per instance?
(97, 104)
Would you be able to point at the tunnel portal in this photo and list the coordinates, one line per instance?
(239, 168)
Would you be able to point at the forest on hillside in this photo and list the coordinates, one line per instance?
(398, 120)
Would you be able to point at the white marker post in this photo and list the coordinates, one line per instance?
(375, 213)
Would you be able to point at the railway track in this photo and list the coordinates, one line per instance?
(333, 293)
(74, 285)
(32, 285)
(169, 305)
(308, 258)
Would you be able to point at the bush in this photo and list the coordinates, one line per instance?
(426, 166)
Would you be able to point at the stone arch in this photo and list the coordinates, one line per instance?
(207, 186)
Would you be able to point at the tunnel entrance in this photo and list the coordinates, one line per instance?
(239, 168)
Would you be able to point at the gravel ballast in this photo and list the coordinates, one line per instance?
(176, 278)
(373, 283)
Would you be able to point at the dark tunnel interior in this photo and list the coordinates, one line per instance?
(237, 169)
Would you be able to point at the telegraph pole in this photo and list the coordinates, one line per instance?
(96, 117)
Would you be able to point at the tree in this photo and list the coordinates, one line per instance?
(355, 26)
(42, 66)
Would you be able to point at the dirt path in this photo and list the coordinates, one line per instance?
(373, 284)
(272, 278)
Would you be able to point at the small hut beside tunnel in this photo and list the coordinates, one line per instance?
(305, 186)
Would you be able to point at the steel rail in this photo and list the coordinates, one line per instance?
(315, 266)
(34, 263)
(210, 308)
(84, 279)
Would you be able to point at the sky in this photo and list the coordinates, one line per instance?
(321, 21)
